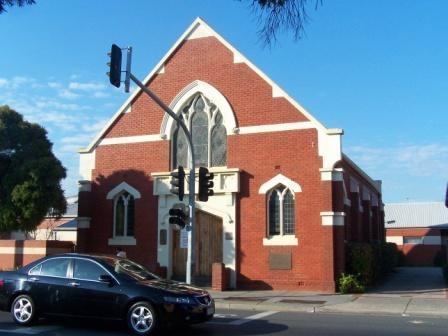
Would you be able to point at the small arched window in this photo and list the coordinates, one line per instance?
(124, 215)
(205, 123)
(281, 209)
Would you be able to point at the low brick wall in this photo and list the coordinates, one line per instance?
(16, 253)
(220, 277)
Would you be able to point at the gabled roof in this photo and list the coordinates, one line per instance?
(71, 225)
(415, 215)
(200, 29)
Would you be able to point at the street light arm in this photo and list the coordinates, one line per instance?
(191, 200)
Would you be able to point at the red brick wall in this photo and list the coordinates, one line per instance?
(16, 253)
(293, 154)
(418, 254)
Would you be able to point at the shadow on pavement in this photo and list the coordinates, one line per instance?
(412, 281)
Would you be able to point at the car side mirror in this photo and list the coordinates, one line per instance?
(105, 278)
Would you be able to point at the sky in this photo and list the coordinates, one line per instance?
(377, 69)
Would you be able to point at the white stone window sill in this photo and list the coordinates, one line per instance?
(126, 241)
(281, 240)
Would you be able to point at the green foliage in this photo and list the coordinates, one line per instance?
(287, 15)
(349, 283)
(371, 261)
(30, 174)
(388, 258)
(361, 261)
(20, 3)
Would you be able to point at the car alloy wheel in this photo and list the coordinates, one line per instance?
(141, 318)
(23, 310)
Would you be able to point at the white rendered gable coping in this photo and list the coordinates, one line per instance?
(123, 186)
(279, 179)
(199, 29)
(329, 142)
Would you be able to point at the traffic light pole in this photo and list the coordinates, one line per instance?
(191, 200)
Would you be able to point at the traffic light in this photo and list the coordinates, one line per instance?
(178, 215)
(205, 184)
(178, 182)
(115, 65)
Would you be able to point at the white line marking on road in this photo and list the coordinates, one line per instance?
(28, 331)
(224, 316)
(252, 317)
(417, 322)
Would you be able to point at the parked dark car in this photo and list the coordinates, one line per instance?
(105, 287)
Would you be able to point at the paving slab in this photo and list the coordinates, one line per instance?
(428, 306)
(370, 305)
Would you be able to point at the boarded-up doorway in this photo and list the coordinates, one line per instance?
(208, 249)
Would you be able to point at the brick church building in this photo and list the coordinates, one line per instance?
(286, 199)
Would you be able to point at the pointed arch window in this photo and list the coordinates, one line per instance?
(124, 206)
(123, 227)
(281, 209)
(205, 122)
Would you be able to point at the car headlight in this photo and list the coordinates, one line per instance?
(177, 299)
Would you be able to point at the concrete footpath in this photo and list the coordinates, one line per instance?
(409, 291)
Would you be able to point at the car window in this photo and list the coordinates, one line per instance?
(52, 267)
(133, 269)
(87, 270)
(36, 270)
(129, 268)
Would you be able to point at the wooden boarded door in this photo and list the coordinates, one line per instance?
(208, 248)
(179, 258)
(208, 245)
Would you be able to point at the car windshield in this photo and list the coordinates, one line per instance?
(130, 268)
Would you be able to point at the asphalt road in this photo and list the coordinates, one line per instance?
(237, 323)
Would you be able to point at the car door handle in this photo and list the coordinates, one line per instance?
(33, 279)
(74, 284)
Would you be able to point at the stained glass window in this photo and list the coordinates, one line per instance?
(199, 133)
(209, 136)
(181, 148)
(219, 143)
(124, 215)
(281, 205)
(274, 214)
(288, 213)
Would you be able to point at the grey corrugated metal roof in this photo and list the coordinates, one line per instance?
(69, 226)
(409, 215)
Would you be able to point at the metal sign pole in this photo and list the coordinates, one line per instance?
(191, 198)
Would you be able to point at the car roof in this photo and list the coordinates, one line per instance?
(25, 268)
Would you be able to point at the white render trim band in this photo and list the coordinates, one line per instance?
(125, 241)
(130, 139)
(276, 127)
(330, 218)
(287, 240)
(84, 185)
(336, 174)
(241, 131)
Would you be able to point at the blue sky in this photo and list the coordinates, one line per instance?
(377, 69)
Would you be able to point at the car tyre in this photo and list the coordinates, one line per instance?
(141, 318)
(23, 310)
